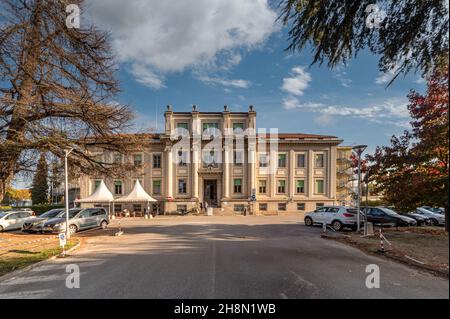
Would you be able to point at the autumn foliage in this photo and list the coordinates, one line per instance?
(413, 170)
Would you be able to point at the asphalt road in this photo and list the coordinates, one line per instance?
(219, 257)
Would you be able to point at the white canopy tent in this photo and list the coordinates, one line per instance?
(100, 195)
(137, 195)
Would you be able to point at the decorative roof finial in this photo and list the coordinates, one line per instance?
(251, 108)
(225, 108)
(169, 107)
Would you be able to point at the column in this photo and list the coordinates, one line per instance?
(226, 170)
(169, 177)
(273, 162)
(252, 167)
(310, 173)
(195, 166)
(291, 173)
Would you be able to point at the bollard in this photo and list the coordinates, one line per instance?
(381, 242)
(324, 227)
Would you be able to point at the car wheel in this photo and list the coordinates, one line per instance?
(1, 229)
(308, 221)
(103, 224)
(337, 225)
(434, 222)
(73, 229)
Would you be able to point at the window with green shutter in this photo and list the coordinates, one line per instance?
(300, 186)
(237, 185)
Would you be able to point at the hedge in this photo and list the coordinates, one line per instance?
(40, 209)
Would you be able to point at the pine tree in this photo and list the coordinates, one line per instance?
(39, 190)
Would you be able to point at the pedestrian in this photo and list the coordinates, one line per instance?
(206, 206)
(201, 206)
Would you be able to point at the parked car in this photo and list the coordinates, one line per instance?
(336, 216)
(386, 216)
(13, 219)
(420, 219)
(435, 219)
(79, 219)
(436, 210)
(34, 225)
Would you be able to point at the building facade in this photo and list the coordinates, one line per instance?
(222, 161)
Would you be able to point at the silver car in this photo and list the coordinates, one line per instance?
(336, 216)
(435, 218)
(79, 219)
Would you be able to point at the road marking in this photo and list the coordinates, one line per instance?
(36, 294)
(212, 292)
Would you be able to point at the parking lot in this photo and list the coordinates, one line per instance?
(219, 257)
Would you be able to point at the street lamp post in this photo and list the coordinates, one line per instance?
(66, 190)
(359, 149)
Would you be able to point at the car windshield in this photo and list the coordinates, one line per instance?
(72, 213)
(51, 213)
(389, 212)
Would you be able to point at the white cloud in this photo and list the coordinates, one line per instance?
(324, 119)
(159, 37)
(390, 111)
(384, 78)
(241, 84)
(298, 82)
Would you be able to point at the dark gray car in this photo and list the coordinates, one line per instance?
(79, 219)
(34, 225)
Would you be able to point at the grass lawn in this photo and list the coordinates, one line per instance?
(23, 256)
(427, 246)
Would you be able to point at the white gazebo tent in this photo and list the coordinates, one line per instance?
(137, 195)
(100, 195)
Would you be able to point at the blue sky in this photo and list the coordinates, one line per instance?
(216, 52)
(231, 52)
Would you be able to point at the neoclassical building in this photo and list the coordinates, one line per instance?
(222, 159)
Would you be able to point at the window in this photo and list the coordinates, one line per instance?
(238, 185)
(239, 207)
(238, 127)
(281, 186)
(137, 159)
(206, 126)
(118, 187)
(182, 186)
(263, 207)
(183, 125)
(300, 160)
(238, 157)
(319, 205)
(282, 206)
(300, 186)
(319, 161)
(182, 158)
(97, 183)
(263, 160)
(301, 206)
(319, 186)
(156, 160)
(117, 158)
(262, 189)
(117, 208)
(137, 207)
(281, 160)
(209, 159)
(157, 187)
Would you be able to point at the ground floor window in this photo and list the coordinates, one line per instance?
(282, 206)
(182, 186)
(137, 207)
(263, 207)
(117, 208)
(157, 187)
(300, 206)
(239, 207)
(237, 186)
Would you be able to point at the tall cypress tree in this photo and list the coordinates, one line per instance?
(39, 190)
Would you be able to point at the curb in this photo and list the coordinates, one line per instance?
(39, 263)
